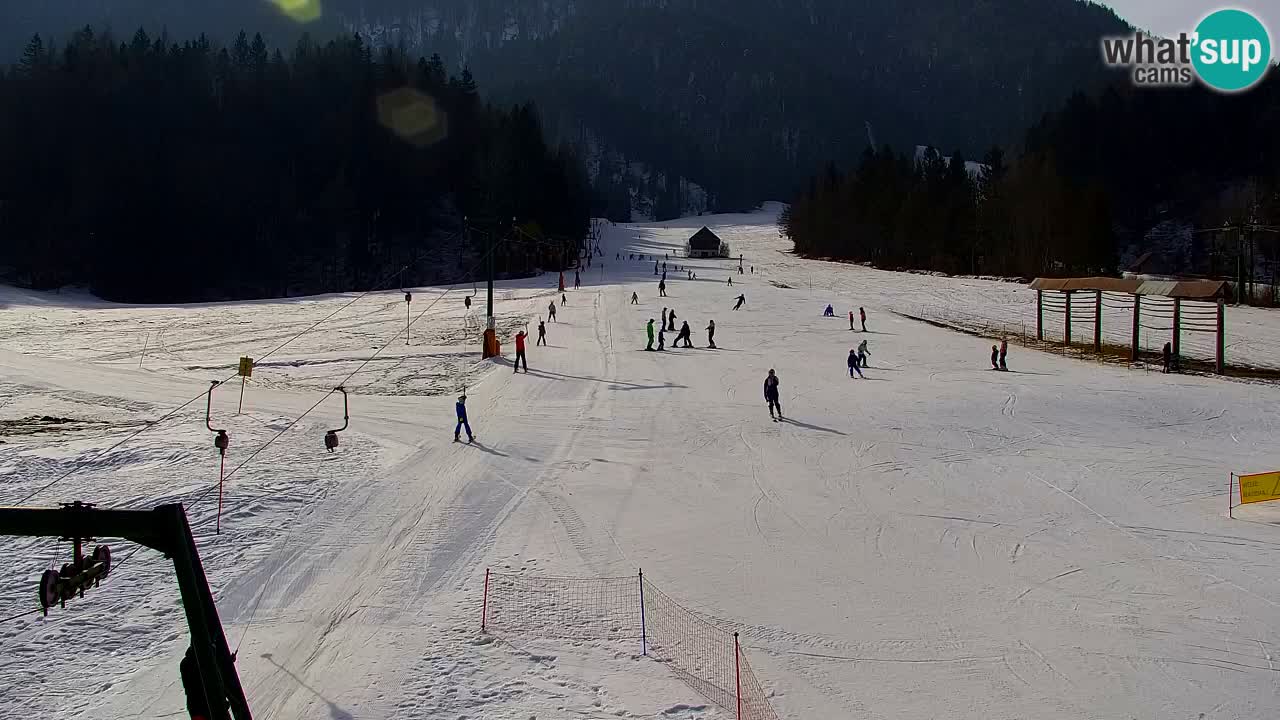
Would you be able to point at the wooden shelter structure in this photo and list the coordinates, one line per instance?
(1190, 305)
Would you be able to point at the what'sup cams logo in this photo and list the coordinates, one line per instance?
(1230, 51)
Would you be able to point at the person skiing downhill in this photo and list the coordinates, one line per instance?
(730, 281)
(461, 408)
(854, 363)
(741, 300)
(649, 330)
(542, 333)
(771, 394)
(551, 311)
(863, 354)
(520, 336)
(863, 314)
(684, 335)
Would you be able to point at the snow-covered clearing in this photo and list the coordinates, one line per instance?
(935, 541)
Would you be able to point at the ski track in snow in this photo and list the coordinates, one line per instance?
(933, 541)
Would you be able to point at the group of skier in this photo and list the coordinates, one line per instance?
(683, 334)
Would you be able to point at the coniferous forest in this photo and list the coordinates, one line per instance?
(151, 169)
(1087, 182)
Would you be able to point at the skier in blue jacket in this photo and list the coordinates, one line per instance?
(461, 408)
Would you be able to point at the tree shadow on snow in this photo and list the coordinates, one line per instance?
(335, 712)
(613, 384)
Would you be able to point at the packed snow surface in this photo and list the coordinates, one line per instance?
(937, 540)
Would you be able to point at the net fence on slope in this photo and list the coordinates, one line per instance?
(706, 657)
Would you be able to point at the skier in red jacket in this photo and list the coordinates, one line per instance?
(520, 336)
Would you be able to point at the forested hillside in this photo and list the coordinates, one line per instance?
(742, 97)
(153, 170)
(1120, 173)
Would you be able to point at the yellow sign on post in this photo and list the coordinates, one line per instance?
(246, 367)
(1259, 487)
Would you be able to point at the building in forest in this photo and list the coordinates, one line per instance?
(706, 244)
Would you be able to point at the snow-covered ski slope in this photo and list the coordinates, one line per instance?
(935, 541)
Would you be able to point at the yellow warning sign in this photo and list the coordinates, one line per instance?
(246, 367)
(1259, 487)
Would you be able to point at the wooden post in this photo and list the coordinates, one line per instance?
(1040, 315)
(1221, 358)
(1230, 508)
(1137, 326)
(1177, 331)
(1067, 340)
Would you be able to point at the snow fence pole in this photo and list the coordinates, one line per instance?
(484, 604)
(644, 634)
(737, 673)
(1230, 509)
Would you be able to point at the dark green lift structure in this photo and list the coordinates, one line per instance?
(165, 529)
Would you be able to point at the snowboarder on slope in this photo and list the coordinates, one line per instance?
(863, 354)
(741, 300)
(863, 314)
(461, 408)
(649, 330)
(711, 334)
(829, 312)
(771, 394)
(635, 299)
(684, 335)
(730, 281)
(551, 311)
(542, 333)
(520, 336)
(1004, 351)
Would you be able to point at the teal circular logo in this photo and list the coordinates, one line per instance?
(1232, 50)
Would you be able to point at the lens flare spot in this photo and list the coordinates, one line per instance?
(412, 116)
(303, 11)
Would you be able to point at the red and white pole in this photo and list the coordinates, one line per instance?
(737, 672)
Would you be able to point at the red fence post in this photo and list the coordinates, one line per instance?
(644, 635)
(737, 672)
(484, 604)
